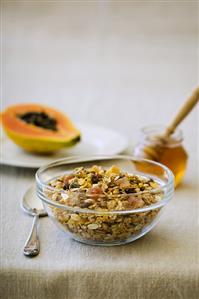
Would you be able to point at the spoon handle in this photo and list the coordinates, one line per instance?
(184, 111)
(32, 247)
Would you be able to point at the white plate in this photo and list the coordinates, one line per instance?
(95, 140)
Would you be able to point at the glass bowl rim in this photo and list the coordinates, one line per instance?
(168, 187)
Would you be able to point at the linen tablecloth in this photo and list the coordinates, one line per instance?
(121, 65)
(163, 264)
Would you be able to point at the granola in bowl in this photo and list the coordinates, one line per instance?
(104, 206)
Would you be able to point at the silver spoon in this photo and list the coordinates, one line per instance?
(32, 245)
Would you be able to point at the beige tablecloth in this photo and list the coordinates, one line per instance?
(163, 264)
(117, 64)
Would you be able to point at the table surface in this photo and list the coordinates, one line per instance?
(120, 64)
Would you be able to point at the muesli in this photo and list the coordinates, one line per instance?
(103, 194)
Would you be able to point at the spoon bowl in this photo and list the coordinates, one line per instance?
(31, 205)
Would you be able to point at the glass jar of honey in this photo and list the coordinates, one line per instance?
(170, 153)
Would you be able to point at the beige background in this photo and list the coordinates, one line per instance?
(120, 64)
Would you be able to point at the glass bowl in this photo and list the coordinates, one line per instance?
(105, 228)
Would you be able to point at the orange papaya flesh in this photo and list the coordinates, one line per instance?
(39, 128)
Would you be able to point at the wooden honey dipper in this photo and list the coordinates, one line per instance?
(153, 151)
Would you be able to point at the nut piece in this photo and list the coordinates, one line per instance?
(93, 226)
(75, 217)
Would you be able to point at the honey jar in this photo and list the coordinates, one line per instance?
(171, 153)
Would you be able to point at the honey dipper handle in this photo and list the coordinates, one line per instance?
(184, 111)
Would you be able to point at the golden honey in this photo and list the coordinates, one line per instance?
(172, 153)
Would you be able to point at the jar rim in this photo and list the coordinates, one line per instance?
(177, 136)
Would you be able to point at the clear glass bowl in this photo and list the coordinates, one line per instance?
(105, 228)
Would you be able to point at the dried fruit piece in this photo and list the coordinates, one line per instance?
(113, 170)
(135, 202)
(95, 179)
(130, 190)
(123, 183)
(95, 191)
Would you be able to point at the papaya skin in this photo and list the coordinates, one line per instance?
(40, 145)
(35, 139)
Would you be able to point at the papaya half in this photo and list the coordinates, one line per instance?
(37, 128)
